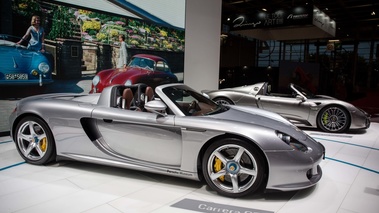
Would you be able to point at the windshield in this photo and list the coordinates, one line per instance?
(192, 103)
(142, 63)
(303, 91)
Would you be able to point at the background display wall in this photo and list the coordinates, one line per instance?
(201, 57)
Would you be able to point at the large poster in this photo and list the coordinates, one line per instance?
(80, 37)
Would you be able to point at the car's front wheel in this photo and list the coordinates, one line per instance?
(233, 167)
(34, 140)
(333, 119)
(223, 101)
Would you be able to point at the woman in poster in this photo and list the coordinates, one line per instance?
(37, 34)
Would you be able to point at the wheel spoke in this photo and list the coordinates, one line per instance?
(216, 175)
(235, 185)
(30, 147)
(40, 152)
(220, 156)
(31, 128)
(239, 154)
(23, 136)
(247, 171)
(41, 136)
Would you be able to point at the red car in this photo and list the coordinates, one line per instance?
(143, 68)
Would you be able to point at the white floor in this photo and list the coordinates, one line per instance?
(350, 183)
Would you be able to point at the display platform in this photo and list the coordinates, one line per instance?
(350, 183)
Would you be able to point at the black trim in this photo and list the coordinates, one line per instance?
(7, 133)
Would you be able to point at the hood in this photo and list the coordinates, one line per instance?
(119, 76)
(325, 97)
(16, 60)
(53, 96)
(246, 88)
(263, 118)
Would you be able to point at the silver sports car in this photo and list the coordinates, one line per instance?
(299, 106)
(178, 132)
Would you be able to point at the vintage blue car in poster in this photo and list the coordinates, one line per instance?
(20, 66)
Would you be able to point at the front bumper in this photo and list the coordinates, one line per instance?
(360, 119)
(294, 170)
(25, 82)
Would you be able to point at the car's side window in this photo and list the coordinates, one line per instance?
(162, 66)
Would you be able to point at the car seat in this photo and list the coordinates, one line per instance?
(149, 94)
(127, 98)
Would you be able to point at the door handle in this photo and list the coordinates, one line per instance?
(108, 120)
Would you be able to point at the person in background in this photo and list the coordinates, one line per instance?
(37, 34)
(123, 54)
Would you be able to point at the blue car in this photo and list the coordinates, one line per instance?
(20, 66)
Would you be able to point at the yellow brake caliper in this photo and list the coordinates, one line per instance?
(217, 167)
(43, 144)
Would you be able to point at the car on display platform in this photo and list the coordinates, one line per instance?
(300, 106)
(142, 68)
(174, 131)
(20, 66)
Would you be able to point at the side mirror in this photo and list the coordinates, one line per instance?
(206, 95)
(156, 106)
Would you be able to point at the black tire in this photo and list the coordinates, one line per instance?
(223, 101)
(233, 167)
(333, 119)
(34, 141)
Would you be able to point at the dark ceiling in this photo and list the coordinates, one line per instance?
(355, 19)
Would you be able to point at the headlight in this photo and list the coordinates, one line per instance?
(292, 142)
(128, 83)
(44, 67)
(95, 80)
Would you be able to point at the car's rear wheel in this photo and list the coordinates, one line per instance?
(333, 119)
(223, 101)
(233, 167)
(34, 140)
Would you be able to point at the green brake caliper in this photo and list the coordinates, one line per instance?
(325, 118)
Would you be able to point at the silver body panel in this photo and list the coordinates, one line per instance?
(301, 112)
(89, 128)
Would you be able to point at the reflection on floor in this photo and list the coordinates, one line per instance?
(350, 183)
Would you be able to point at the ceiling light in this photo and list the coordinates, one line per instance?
(373, 13)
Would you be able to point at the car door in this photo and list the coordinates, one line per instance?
(289, 107)
(140, 136)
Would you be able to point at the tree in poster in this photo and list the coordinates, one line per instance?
(62, 26)
(26, 8)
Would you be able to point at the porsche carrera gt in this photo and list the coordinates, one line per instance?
(173, 131)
